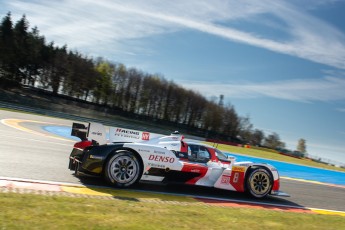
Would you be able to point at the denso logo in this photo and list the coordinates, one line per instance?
(163, 159)
(145, 136)
(118, 130)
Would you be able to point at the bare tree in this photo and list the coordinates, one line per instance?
(273, 141)
(301, 146)
(257, 137)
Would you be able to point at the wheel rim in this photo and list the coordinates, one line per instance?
(123, 169)
(260, 183)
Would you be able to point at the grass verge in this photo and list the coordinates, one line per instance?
(28, 211)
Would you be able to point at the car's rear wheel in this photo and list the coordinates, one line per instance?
(123, 169)
(259, 182)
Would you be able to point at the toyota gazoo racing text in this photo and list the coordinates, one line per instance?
(130, 156)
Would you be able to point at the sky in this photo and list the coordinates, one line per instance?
(279, 62)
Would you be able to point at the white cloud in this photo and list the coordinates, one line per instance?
(91, 25)
(324, 89)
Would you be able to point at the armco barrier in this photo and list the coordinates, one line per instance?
(51, 113)
(105, 121)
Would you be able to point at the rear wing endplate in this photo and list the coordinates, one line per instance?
(94, 132)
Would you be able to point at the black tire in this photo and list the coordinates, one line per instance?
(123, 169)
(259, 182)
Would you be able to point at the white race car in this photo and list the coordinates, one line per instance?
(132, 156)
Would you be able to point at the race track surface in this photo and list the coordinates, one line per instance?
(28, 151)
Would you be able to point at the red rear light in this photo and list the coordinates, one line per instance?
(82, 144)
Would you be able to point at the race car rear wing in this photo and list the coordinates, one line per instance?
(93, 132)
(79, 130)
(96, 133)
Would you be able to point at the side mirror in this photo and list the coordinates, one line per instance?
(231, 158)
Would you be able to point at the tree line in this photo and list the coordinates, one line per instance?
(26, 58)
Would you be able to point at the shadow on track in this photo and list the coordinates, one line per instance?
(95, 183)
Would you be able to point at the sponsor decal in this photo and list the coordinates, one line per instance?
(238, 168)
(225, 180)
(159, 152)
(97, 133)
(163, 159)
(96, 157)
(245, 165)
(144, 150)
(127, 133)
(156, 165)
(195, 170)
(145, 136)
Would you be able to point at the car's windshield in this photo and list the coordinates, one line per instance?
(221, 156)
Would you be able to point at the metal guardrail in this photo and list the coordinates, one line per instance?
(63, 115)
(106, 121)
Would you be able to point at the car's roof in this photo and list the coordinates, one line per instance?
(198, 143)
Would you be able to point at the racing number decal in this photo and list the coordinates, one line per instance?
(235, 178)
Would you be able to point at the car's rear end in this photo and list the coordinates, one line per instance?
(77, 154)
(81, 148)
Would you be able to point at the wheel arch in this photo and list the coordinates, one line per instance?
(113, 152)
(251, 168)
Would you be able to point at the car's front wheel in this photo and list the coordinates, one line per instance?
(259, 182)
(123, 169)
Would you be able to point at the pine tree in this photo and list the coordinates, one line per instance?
(7, 58)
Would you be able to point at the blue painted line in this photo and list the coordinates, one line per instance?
(284, 169)
(299, 171)
(61, 131)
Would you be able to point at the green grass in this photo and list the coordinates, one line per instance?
(274, 156)
(27, 211)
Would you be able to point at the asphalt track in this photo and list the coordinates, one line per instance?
(28, 151)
